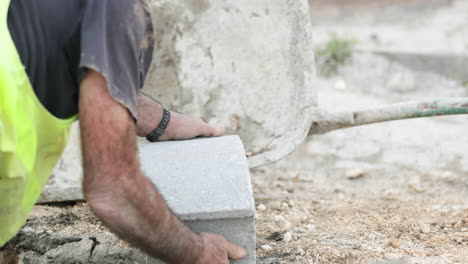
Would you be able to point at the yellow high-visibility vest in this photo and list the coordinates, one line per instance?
(31, 139)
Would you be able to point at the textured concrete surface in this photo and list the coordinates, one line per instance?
(206, 182)
(201, 178)
(241, 64)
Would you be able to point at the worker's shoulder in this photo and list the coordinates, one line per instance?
(131, 16)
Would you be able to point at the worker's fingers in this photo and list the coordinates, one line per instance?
(210, 131)
(186, 127)
(217, 131)
(234, 251)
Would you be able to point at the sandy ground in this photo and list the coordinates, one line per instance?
(308, 220)
(393, 191)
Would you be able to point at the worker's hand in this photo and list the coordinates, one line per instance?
(150, 113)
(217, 250)
(187, 127)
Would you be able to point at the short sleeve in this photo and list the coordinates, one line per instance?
(117, 42)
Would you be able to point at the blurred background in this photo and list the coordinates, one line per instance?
(393, 191)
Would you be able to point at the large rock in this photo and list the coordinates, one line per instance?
(247, 65)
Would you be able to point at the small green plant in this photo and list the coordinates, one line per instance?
(335, 53)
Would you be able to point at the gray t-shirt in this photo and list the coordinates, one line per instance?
(59, 40)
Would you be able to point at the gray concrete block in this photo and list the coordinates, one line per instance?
(206, 182)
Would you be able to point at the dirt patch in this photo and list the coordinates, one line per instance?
(350, 230)
(298, 221)
(67, 234)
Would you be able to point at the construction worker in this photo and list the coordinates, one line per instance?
(89, 58)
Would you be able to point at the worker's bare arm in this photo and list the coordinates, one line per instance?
(121, 196)
(181, 126)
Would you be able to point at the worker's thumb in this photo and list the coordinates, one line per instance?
(234, 251)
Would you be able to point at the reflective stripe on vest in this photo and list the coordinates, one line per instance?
(31, 139)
